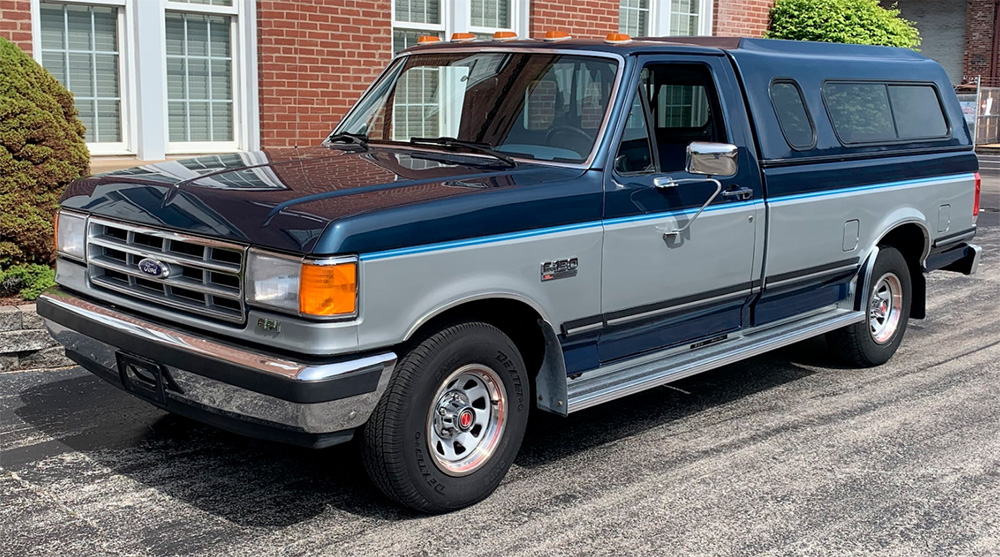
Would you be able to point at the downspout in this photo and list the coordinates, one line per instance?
(995, 54)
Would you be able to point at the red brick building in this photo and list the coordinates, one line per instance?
(159, 78)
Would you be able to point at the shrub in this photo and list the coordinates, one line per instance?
(842, 21)
(26, 281)
(41, 150)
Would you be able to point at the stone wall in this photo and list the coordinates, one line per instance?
(24, 342)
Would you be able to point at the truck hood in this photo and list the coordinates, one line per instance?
(286, 199)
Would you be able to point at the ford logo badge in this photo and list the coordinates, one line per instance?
(154, 268)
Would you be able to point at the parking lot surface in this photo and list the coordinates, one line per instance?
(784, 454)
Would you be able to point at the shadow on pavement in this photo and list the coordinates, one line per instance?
(262, 484)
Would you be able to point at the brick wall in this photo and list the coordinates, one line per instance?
(581, 18)
(15, 22)
(316, 58)
(979, 21)
(741, 18)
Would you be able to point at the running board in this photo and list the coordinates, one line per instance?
(652, 370)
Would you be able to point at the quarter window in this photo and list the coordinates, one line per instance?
(793, 116)
(80, 48)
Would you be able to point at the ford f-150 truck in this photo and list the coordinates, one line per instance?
(507, 224)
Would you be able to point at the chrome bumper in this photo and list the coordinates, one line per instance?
(234, 382)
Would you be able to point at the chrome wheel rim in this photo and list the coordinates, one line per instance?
(466, 419)
(885, 308)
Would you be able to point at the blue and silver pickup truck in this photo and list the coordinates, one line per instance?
(501, 225)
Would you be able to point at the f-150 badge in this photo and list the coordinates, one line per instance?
(563, 268)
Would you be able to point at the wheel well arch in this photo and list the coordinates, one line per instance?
(518, 319)
(912, 240)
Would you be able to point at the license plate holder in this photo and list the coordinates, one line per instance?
(142, 377)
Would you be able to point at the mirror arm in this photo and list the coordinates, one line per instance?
(671, 183)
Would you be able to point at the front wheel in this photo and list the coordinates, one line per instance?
(873, 341)
(451, 420)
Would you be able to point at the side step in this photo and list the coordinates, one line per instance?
(652, 370)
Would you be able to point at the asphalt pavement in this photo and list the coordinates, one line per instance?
(785, 454)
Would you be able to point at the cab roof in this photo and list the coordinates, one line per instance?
(696, 45)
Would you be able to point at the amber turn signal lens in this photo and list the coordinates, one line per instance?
(327, 290)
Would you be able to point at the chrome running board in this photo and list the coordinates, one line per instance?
(659, 368)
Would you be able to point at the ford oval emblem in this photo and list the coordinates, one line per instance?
(154, 268)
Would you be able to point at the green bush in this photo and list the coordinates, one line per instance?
(26, 281)
(842, 21)
(41, 150)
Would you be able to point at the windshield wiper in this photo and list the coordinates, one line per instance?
(351, 138)
(451, 142)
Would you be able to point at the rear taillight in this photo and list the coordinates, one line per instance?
(979, 189)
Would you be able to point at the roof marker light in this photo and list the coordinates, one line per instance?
(617, 38)
(424, 39)
(462, 37)
(557, 36)
(504, 36)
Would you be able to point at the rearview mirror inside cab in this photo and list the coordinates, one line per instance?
(714, 159)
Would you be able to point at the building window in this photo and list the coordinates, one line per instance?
(661, 18)
(490, 14)
(413, 18)
(80, 47)
(199, 77)
(633, 17)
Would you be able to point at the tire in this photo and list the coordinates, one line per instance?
(873, 341)
(463, 385)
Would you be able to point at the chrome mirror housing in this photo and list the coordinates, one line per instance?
(712, 159)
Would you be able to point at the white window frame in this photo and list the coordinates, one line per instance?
(142, 44)
(660, 13)
(126, 71)
(456, 17)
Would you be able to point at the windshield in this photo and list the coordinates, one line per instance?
(537, 106)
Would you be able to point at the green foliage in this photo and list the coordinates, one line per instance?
(842, 21)
(41, 150)
(26, 281)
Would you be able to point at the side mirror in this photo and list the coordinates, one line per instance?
(712, 159)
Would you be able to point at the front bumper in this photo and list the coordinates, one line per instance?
(310, 402)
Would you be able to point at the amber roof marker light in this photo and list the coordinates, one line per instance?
(425, 39)
(462, 37)
(557, 36)
(504, 36)
(617, 38)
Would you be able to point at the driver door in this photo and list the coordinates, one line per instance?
(660, 288)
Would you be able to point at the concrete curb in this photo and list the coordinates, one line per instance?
(24, 342)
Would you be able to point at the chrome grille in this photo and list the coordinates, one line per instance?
(204, 277)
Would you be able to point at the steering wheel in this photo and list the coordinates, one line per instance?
(569, 137)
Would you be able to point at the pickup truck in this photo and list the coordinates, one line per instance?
(504, 225)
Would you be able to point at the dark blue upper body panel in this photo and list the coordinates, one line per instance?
(329, 200)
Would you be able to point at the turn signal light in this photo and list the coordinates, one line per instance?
(617, 38)
(328, 289)
(979, 191)
(504, 35)
(556, 36)
(428, 39)
(462, 37)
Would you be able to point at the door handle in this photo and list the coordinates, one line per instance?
(738, 193)
(667, 182)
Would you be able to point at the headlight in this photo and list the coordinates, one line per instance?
(319, 288)
(71, 235)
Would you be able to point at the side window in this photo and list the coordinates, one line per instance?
(684, 108)
(860, 112)
(793, 116)
(917, 111)
(635, 154)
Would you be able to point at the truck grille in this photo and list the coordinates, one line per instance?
(202, 276)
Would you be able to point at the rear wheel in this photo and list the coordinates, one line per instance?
(873, 341)
(451, 421)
